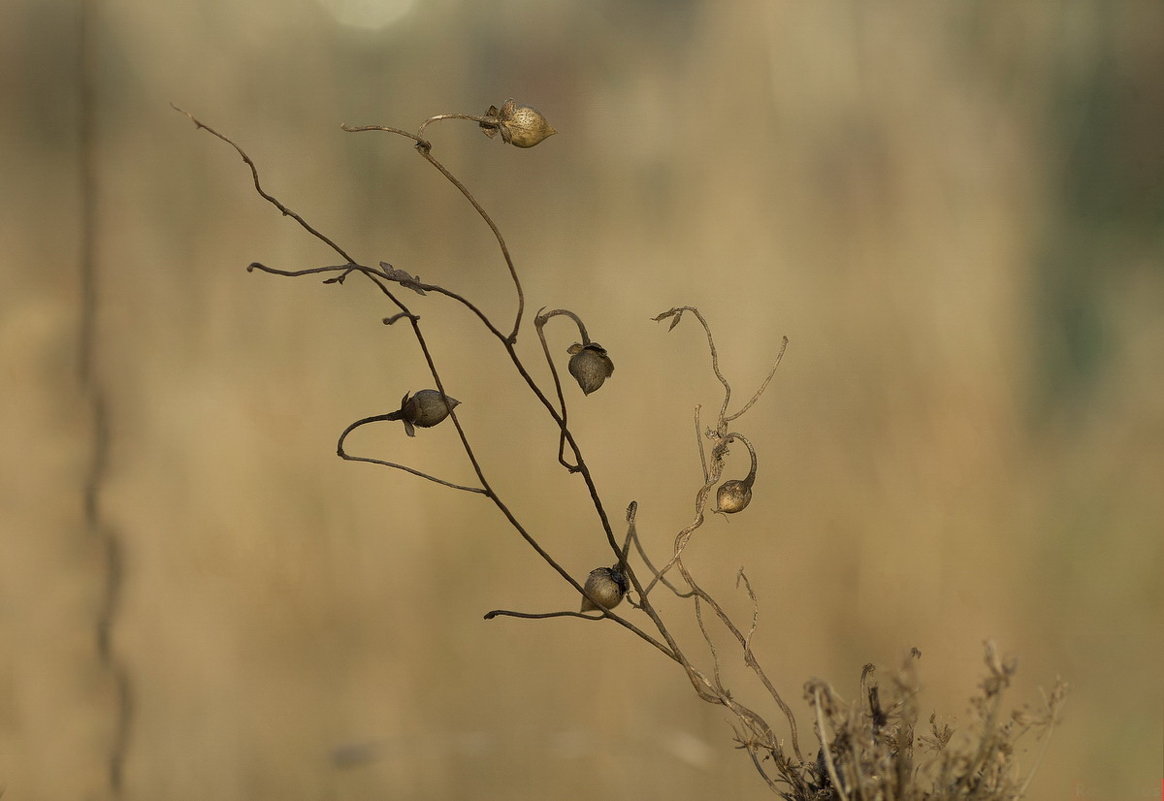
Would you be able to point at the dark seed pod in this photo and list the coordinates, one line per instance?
(733, 496)
(590, 365)
(607, 585)
(521, 126)
(424, 409)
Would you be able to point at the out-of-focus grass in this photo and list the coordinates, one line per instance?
(953, 213)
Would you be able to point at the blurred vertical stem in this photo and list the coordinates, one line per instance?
(88, 69)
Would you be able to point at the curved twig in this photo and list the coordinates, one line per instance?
(544, 615)
(485, 121)
(258, 187)
(540, 321)
(420, 141)
(339, 449)
(763, 384)
(677, 313)
(715, 668)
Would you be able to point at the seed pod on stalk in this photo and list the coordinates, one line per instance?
(424, 410)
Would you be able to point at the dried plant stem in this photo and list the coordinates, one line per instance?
(1038, 760)
(685, 533)
(544, 317)
(677, 313)
(763, 384)
(711, 649)
(749, 656)
(380, 418)
(544, 615)
(540, 321)
(712, 473)
(491, 121)
(699, 444)
(742, 577)
(823, 736)
(750, 747)
(258, 187)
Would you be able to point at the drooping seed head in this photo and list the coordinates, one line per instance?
(733, 496)
(590, 365)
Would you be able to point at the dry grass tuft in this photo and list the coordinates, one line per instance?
(874, 749)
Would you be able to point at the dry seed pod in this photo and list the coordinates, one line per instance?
(424, 409)
(733, 496)
(521, 126)
(607, 585)
(589, 365)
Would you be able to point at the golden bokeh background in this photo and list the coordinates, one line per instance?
(955, 212)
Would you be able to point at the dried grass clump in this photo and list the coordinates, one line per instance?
(873, 748)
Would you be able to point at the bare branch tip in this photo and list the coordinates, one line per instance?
(187, 114)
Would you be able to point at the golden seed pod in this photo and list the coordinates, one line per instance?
(589, 365)
(607, 585)
(424, 409)
(521, 126)
(733, 496)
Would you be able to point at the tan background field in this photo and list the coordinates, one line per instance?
(955, 212)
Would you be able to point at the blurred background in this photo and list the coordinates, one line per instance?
(955, 212)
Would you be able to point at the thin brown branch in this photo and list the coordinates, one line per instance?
(496, 233)
(751, 749)
(715, 667)
(489, 121)
(683, 537)
(543, 615)
(741, 576)
(749, 656)
(258, 187)
(544, 316)
(381, 418)
(677, 313)
(537, 615)
(699, 443)
(343, 269)
(539, 325)
(763, 385)
(421, 142)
